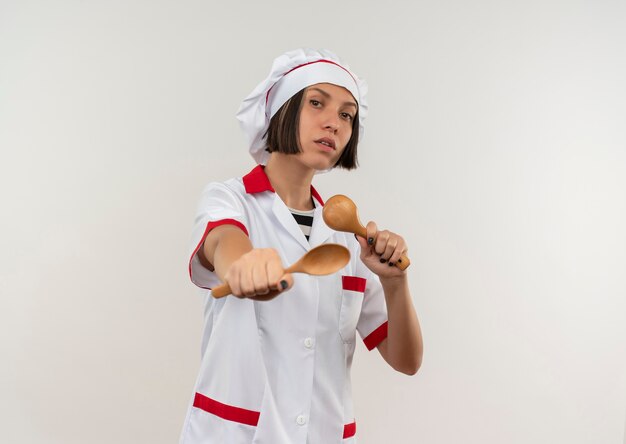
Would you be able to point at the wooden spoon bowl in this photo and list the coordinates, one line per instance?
(340, 214)
(322, 260)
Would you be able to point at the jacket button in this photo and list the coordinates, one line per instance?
(301, 420)
(308, 343)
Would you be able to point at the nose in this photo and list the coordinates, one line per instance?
(331, 123)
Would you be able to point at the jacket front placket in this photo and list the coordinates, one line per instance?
(288, 222)
(320, 232)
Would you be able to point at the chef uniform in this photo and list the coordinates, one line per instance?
(278, 371)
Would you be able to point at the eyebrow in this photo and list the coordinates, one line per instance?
(325, 94)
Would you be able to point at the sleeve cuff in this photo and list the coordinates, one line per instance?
(211, 225)
(376, 337)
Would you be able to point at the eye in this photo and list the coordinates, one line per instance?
(315, 103)
(347, 116)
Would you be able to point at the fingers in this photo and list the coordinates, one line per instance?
(372, 230)
(233, 277)
(382, 241)
(274, 272)
(400, 250)
(259, 275)
(387, 245)
(390, 247)
(362, 241)
(284, 284)
(258, 283)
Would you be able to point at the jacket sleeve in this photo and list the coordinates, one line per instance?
(372, 324)
(219, 205)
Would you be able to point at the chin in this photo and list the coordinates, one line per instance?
(322, 166)
(319, 163)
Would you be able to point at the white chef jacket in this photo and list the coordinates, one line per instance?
(279, 371)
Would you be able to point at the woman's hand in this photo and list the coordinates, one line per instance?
(258, 275)
(381, 250)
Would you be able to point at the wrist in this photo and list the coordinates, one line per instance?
(394, 283)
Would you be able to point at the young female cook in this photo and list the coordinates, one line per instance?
(276, 356)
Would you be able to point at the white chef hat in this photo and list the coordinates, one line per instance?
(290, 73)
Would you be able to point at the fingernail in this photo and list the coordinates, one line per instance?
(382, 261)
(283, 284)
(370, 240)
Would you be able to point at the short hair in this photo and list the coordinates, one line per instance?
(282, 133)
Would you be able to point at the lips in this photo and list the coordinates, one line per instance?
(326, 142)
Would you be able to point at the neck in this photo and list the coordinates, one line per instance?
(291, 180)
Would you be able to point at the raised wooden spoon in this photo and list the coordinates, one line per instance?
(321, 260)
(340, 213)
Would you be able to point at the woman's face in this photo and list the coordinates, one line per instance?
(325, 124)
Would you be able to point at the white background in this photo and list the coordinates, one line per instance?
(496, 144)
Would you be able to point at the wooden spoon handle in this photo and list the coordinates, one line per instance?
(361, 231)
(220, 291)
(403, 262)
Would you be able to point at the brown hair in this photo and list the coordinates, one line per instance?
(282, 134)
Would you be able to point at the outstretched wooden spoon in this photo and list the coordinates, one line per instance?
(340, 213)
(321, 260)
